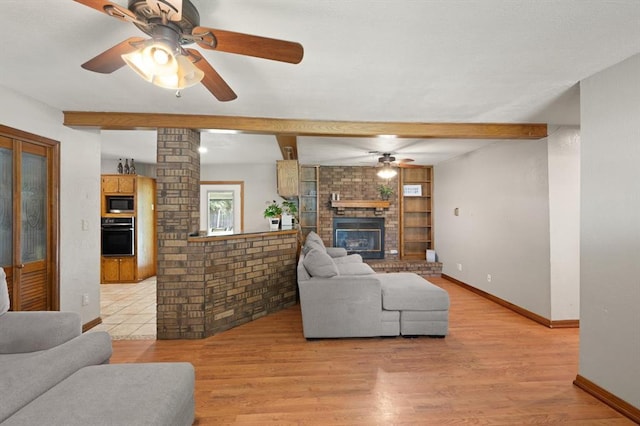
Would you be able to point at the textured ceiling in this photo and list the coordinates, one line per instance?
(426, 61)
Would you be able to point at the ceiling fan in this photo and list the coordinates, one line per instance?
(388, 158)
(388, 164)
(163, 59)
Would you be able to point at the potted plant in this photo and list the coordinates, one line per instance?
(272, 214)
(385, 191)
(289, 212)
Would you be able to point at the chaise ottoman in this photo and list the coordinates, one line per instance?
(424, 307)
(119, 394)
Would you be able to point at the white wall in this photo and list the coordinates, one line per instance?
(610, 230)
(564, 221)
(79, 198)
(109, 166)
(260, 186)
(502, 229)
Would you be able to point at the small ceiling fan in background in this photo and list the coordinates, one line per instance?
(387, 164)
(164, 61)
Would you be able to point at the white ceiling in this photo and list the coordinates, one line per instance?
(365, 60)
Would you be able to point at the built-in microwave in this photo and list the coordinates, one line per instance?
(119, 204)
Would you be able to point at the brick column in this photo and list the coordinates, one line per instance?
(179, 272)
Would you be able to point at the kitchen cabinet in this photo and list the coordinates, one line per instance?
(118, 269)
(143, 264)
(118, 184)
(287, 174)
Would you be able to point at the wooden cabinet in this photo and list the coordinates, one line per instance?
(119, 184)
(143, 264)
(287, 171)
(416, 231)
(118, 269)
(308, 199)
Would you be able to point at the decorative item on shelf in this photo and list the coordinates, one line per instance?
(272, 213)
(127, 169)
(120, 169)
(385, 191)
(289, 214)
(412, 190)
(132, 168)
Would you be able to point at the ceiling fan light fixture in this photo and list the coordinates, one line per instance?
(387, 172)
(185, 76)
(158, 64)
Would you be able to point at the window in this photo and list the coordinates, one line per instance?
(221, 207)
(220, 212)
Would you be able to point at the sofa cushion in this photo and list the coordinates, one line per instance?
(313, 237)
(4, 293)
(119, 394)
(319, 264)
(350, 258)
(312, 244)
(26, 378)
(354, 269)
(405, 291)
(336, 252)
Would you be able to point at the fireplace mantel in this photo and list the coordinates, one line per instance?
(378, 205)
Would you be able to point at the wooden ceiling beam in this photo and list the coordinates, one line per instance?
(296, 127)
(288, 146)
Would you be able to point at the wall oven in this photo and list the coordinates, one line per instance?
(118, 236)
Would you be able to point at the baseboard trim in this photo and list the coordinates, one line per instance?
(88, 326)
(515, 308)
(620, 405)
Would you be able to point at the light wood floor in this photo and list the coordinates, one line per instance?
(495, 368)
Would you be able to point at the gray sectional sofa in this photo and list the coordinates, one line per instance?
(52, 374)
(341, 296)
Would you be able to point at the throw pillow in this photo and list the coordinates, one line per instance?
(312, 244)
(312, 236)
(4, 293)
(319, 264)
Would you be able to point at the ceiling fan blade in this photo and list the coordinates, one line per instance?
(109, 8)
(250, 45)
(212, 80)
(111, 59)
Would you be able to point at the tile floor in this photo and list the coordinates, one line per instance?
(128, 311)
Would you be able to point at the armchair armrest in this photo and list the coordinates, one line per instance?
(336, 251)
(35, 331)
(341, 306)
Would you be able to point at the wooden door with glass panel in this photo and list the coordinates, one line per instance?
(28, 249)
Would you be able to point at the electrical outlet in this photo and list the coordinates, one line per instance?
(85, 299)
(488, 278)
(459, 265)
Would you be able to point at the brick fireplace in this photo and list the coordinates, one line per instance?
(356, 183)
